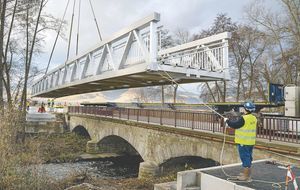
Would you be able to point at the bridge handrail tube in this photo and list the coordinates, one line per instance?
(188, 52)
(203, 41)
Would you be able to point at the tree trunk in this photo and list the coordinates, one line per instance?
(260, 89)
(238, 90)
(3, 10)
(8, 66)
(175, 93)
(7, 83)
(219, 92)
(29, 54)
(162, 95)
(210, 91)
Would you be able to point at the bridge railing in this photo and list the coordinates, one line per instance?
(279, 129)
(209, 54)
(270, 128)
(184, 119)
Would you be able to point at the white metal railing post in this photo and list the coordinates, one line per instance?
(153, 43)
(225, 54)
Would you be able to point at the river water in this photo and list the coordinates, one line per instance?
(113, 168)
(119, 167)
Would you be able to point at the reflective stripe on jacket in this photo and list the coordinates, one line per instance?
(246, 135)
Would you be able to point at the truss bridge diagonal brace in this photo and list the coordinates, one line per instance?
(215, 63)
(141, 44)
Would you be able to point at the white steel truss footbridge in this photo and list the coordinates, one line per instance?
(133, 58)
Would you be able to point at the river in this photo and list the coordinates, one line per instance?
(119, 167)
(113, 168)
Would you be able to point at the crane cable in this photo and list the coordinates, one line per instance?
(230, 178)
(78, 27)
(97, 26)
(58, 32)
(71, 29)
(70, 34)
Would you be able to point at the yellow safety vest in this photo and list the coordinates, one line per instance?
(246, 135)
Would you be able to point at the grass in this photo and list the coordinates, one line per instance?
(56, 148)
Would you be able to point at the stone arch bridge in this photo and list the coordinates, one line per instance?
(157, 144)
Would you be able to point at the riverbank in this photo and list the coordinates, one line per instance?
(55, 148)
(58, 156)
(57, 160)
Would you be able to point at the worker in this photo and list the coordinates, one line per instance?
(49, 103)
(245, 135)
(52, 103)
(27, 105)
(42, 108)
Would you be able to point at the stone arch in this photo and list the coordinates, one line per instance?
(81, 131)
(117, 144)
(186, 163)
(173, 147)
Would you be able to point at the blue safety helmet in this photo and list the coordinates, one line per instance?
(249, 106)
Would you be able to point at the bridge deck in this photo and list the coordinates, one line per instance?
(134, 58)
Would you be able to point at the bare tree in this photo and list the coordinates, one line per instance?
(165, 39)
(2, 21)
(182, 36)
(23, 37)
(9, 47)
(292, 8)
(281, 31)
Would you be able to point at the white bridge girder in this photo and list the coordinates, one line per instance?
(131, 58)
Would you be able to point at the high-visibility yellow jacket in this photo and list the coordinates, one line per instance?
(246, 135)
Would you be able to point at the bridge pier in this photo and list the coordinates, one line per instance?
(148, 169)
(92, 147)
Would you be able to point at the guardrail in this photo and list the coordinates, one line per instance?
(279, 129)
(271, 128)
(210, 54)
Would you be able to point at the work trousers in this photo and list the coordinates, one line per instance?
(245, 152)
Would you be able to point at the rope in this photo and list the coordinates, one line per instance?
(170, 78)
(58, 32)
(91, 5)
(78, 27)
(71, 29)
(229, 177)
(70, 34)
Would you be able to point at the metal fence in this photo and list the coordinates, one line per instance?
(271, 128)
(279, 129)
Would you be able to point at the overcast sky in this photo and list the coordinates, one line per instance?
(114, 15)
